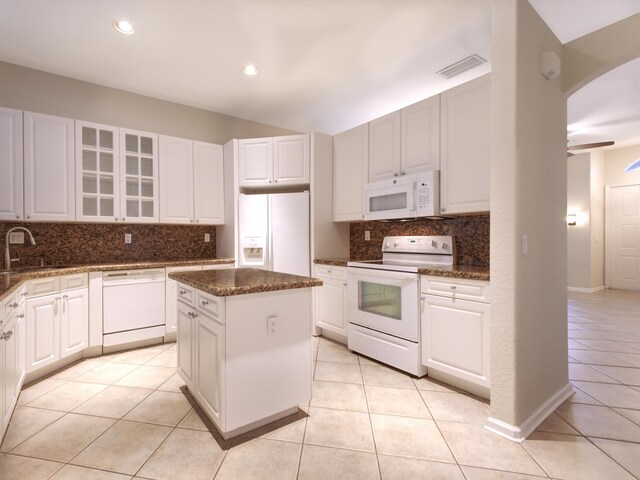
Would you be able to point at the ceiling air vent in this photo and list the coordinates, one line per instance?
(461, 66)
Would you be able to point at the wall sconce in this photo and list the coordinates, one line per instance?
(572, 219)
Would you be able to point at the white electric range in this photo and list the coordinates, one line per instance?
(383, 299)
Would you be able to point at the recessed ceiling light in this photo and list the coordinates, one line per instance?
(123, 26)
(250, 70)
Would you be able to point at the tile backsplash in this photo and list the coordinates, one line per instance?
(471, 235)
(81, 243)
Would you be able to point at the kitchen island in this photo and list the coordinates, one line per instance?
(244, 344)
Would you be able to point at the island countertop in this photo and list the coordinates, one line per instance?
(241, 281)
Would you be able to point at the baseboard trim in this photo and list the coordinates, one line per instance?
(518, 433)
(586, 290)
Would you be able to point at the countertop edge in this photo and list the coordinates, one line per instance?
(21, 277)
(234, 291)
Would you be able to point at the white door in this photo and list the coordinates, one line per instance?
(208, 183)
(11, 182)
(350, 173)
(623, 212)
(253, 231)
(384, 147)
(210, 336)
(97, 172)
(176, 179)
(421, 136)
(291, 160)
(43, 331)
(74, 331)
(49, 168)
(289, 213)
(255, 162)
(9, 370)
(186, 331)
(330, 306)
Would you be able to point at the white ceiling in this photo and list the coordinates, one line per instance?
(324, 65)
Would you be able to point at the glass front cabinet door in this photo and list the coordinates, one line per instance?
(97, 173)
(139, 176)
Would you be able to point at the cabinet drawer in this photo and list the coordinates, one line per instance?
(186, 294)
(14, 301)
(330, 272)
(43, 286)
(210, 305)
(73, 281)
(476, 290)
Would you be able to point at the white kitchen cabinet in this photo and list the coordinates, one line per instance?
(273, 161)
(97, 173)
(11, 171)
(186, 327)
(466, 147)
(191, 182)
(421, 136)
(330, 300)
(385, 147)
(456, 332)
(49, 168)
(57, 319)
(291, 160)
(139, 176)
(12, 361)
(255, 162)
(208, 183)
(209, 363)
(350, 173)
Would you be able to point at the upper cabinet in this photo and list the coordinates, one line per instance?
(350, 173)
(273, 162)
(191, 181)
(466, 147)
(139, 176)
(11, 164)
(97, 173)
(421, 136)
(49, 192)
(384, 147)
(406, 141)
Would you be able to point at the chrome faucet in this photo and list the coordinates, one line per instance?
(7, 255)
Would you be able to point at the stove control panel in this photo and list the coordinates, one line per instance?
(443, 245)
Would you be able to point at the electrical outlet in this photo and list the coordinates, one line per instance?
(127, 238)
(16, 238)
(207, 237)
(367, 235)
(271, 326)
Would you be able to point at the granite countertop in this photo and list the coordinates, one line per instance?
(10, 281)
(457, 271)
(240, 281)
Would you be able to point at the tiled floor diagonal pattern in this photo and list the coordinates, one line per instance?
(125, 416)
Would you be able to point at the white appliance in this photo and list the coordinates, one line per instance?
(133, 305)
(408, 196)
(273, 232)
(383, 299)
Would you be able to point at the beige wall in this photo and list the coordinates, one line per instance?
(33, 90)
(616, 161)
(578, 236)
(528, 197)
(585, 241)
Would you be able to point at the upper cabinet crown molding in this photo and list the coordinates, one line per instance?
(49, 173)
(11, 170)
(466, 147)
(273, 161)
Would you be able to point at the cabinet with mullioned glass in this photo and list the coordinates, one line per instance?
(139, 176)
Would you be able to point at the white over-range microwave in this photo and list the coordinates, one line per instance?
(408, 196)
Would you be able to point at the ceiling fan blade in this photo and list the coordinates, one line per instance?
(586, 146)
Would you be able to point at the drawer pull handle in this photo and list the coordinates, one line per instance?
(453, 287)
(204, 303)
(14, 305)
(7, 335)
(24, 294)
(21, 315)
(182, 292)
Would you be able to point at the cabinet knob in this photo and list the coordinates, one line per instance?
(18, 217)
(395, 174)
(28, 216)
(116, 219)
(453, 287)
(14, 305)
(19, 316)
(182, 292)
(269, 181)
(204, 303)
(197, 220)
(443, 210)
(401, 173)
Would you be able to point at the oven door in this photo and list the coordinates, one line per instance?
(384, 301)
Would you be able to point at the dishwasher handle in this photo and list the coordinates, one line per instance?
(120, 277)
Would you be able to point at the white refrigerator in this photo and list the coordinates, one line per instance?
(273, 232)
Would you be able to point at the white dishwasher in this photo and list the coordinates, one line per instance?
(133, 305)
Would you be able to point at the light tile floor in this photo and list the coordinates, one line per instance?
(126, 416)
